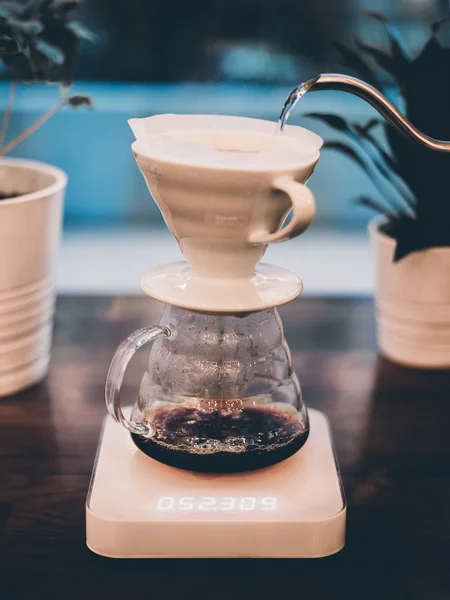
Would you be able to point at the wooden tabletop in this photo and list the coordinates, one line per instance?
(391, 427)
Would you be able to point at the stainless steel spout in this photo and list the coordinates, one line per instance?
(345, 83)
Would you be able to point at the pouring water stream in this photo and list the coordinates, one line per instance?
(345, 83)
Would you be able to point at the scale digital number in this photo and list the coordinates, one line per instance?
(210, 503)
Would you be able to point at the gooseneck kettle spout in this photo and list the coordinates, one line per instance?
(352, 85)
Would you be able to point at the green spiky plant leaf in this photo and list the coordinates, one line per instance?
(413, 181)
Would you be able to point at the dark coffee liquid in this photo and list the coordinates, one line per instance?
(216, 442)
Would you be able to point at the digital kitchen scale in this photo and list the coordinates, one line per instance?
(139, 508)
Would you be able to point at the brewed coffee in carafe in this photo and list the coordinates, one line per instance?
(223, 439)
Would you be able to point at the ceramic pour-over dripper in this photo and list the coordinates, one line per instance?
(225, 186)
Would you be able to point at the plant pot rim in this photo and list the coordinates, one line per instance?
(60, 179)
(378, 235)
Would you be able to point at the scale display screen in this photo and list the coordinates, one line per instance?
(214, 504)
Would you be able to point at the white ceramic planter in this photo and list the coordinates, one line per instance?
(412, 303)
(30, 228)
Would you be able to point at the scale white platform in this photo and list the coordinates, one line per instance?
(139, 508)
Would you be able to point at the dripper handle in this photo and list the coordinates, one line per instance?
(304, 209)
(119, 364)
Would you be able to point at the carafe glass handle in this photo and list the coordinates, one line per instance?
(304, 209)
(122, 357)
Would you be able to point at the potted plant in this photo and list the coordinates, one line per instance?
(39, 42)
(411, 239)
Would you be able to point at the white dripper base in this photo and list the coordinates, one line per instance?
(174, 284)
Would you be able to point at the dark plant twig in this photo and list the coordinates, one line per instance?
(33, 127)
(8, 112)
(65, 100)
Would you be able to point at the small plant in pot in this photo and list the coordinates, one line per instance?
(39, 42)
(411, 239)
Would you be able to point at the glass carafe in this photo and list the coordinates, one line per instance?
(219, 393)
